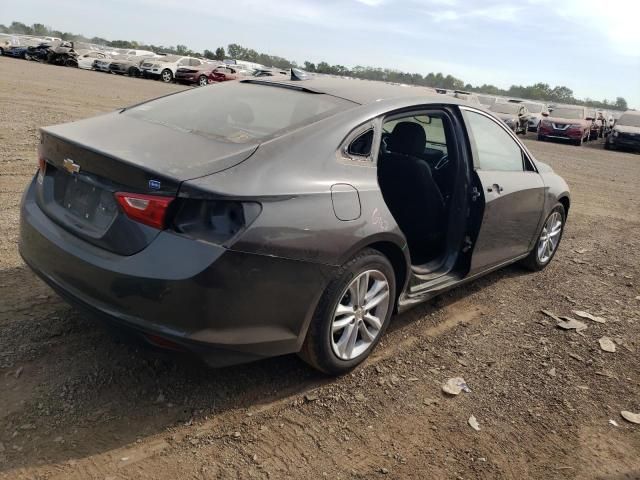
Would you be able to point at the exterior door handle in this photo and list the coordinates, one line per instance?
(495, 187)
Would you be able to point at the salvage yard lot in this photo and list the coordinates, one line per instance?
(77, 401)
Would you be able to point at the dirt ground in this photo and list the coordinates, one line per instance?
(78, 402)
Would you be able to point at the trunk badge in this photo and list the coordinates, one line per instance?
(70, 166)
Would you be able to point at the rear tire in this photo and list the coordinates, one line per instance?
(340, 314)
(536, 261)
(203, 81)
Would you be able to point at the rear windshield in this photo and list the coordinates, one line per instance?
(486, 100)
(630, 120)
(505, 107)
(563, 112)
(534, 107)
(169, 58)
(237, 112)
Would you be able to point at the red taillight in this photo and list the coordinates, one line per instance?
(148, 209)
(42, 163)
(157, 341)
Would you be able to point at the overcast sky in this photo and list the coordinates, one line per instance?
(590, 46)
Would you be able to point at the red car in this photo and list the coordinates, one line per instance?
(566, 123)
(200, 74)
(226, 72)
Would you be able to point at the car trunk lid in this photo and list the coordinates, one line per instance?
(87, 162)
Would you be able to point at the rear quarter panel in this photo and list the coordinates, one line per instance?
(292, 178)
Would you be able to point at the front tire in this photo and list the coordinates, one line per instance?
(166, 76)
(548, 240)
(352, 314)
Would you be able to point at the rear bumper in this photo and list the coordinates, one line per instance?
(118, 69)
(152, 72)
(187, 78)
(227, 307)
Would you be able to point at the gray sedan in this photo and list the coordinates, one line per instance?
(271, 216)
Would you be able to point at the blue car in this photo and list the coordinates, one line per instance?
(16, 52)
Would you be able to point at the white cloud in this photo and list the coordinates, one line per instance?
(499, 12)
(371, 3)
(444, 16)
(430, 3)
(617, 22)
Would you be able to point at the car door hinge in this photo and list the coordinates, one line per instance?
(475, 194)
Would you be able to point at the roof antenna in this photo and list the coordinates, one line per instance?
(298, 75)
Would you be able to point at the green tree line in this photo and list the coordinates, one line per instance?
(538, 91)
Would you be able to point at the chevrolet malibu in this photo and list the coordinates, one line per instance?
(264, 217)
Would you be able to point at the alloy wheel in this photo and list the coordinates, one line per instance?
(550, 237)
(203, 81)
(359, 316)
(166, 76)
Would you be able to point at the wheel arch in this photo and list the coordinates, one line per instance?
(399, 262)
(566, 203)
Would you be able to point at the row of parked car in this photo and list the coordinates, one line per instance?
(132, 62)
(573, 123)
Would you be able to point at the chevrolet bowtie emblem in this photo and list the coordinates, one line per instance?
(70, 166)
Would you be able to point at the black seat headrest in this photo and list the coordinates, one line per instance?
(407, 138)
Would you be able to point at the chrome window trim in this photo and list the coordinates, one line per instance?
(343, 151)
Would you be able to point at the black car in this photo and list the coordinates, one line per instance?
(264, 217)
(626, 133)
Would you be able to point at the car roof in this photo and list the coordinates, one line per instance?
(360, 91)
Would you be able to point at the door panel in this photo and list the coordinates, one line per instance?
(513, 205)
(513, 193)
